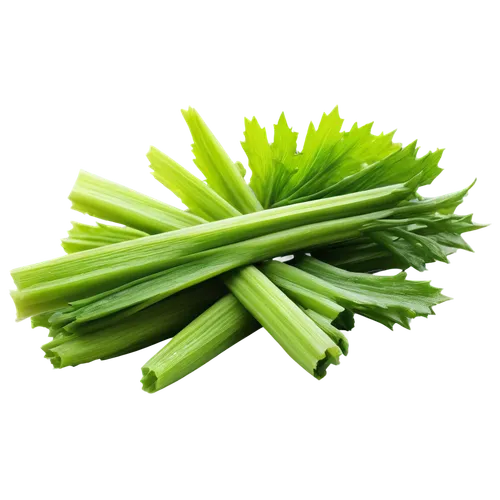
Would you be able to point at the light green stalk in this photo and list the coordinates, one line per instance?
(222, 174)
(195, 194)
(107, 200)
(314, 351)
(154, 324)
(84, 237)
(291, 283)
(218, 328)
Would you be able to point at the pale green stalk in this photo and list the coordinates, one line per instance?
(195, 194)
(107, 200)
(112, 234)
(222, 174)
(84, 237)
(150, 326)
(313, 352)
(292, 285)
(218, 328)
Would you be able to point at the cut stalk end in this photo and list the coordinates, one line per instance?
(148, 380)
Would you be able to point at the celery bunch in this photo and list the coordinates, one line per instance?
(346, 206)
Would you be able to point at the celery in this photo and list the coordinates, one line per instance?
(292, 289)
(314, 351)
(387, 299)
(104, 199)
(147, 291)
(269, 162)
(334, 333)
(55, 294)
(152, 325)
(318, 146)
(51, 284)
(328, 155)
(221, 173)
(398, 167)
(84, 237)
(276, 318)
(205, 265)
(218, 328)
(188, 181)
(383, 250)
(195, 194)
(154, 251)
(119, 281)
(283, 276)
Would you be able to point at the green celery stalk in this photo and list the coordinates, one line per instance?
(107, 200)
(195, 194)
(218, 328)
(291, 284)
(330, 330)
(222, 174)
(303, 296)
(313, 351)
(152, 325)
(84, 237)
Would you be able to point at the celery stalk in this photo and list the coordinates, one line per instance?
(292, 286)
(107, 200)
(222, 174)
(195, 194)
(313, 350)
(84, 237)
(218, 328)
(152, 325)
